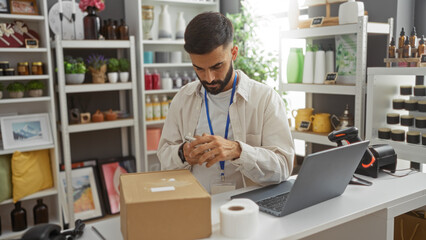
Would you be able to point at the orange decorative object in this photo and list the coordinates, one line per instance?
(98, 116)
(110, 115)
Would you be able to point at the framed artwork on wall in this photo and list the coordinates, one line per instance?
(26, 7)
(86, 197)
(110, 171)
(25, 130)
(4, 6)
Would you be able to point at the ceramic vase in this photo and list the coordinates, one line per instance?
(74, 78)
(35, 93)
(92, 24)
(308, 66)
(124, 76)
(320, 67)
(164, 24)
(329, 59)
(180, 26)
(16, 94)
(147, 21)
(112, 77)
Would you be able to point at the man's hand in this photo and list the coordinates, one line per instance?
(210, 149)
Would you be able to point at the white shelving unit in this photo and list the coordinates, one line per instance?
(362, 30)
(383, 87)
(128, 102)
(30, 105)
(133, 13)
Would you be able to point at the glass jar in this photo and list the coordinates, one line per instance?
(23, 68)
(4, 64)
(37, 68)
(9, 71)
(1, 72)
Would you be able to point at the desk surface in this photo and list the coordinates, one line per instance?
(397, 195)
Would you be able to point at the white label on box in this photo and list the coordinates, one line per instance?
(163, 189)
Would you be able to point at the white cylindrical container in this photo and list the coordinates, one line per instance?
(293, 14)
(239, 218)
(319, 67)
(164, 24)
(350, 11)
(176, 57)
(180, 26)
(166, 81)
(329, 60)
(308, 66)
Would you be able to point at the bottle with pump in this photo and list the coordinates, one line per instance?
(177, 81)
(149, 111)
(421, 48)
(40, 212)
(156, 106)
(401, 39)
(166, 81)
(164, 107)
(19, 218)
(392, 49)
(156, 80)
(407, 49)
(185, 78)
(148, 80)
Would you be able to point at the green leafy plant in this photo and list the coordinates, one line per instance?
(16, 87)
(124, 65)
(35, 85)
(253, 59)
(113, 65)
(96, 61)
(74, 65)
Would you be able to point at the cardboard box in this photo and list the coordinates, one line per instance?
(164, 205)
(410, 227)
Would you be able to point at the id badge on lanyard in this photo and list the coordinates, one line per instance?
(221, 184)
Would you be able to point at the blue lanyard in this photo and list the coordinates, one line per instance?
(222, 163)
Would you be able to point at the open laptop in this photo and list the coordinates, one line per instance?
(323, 175)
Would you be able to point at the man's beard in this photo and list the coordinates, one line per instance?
(222, 83)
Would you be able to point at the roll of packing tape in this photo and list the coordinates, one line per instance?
(239, 218)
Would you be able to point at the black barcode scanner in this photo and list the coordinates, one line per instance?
(50, 231)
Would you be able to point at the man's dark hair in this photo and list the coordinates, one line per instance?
(207, 31)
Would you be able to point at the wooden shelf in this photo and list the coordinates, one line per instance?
(320, 88)
(97, 87)
(23, 78)
(41, 194)
(24, 100)
(94, 126)
(30, 18)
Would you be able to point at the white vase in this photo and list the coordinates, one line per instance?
(112, 77)
(124, 76)
(164, 24)
(180, 26)
(329, 59)
(319, 67)
(74, 78)
(293, 14)
(308, 67)
(35, 93)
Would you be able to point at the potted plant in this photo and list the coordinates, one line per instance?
(16, 89)
(74, 70)
(1, 90)
(98, 66)
(124, 69)
(113, 67)
(35, 88)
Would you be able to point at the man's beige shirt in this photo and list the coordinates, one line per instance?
(259, 125)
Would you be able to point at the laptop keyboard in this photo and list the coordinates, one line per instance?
(275, 203)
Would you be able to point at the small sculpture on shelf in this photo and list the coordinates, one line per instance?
(110, 115)
(98, 66)
(98, 116)
(147, 21)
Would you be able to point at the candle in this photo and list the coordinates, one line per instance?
(73, 6)
(61, 10)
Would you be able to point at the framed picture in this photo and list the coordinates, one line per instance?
(27, 7)
(4, 6)
(110, 171)
(87, 201)
(25, 130)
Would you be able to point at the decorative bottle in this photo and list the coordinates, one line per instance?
(92, 24)
(111, 34)
(421, 48)
(329, 57)
(407, 48)
(156, 80)
(40, 212)
(117, 32)
(19, 218)
(293, 14)
(308, 66)
(295, 66)
(180, 26)
(164, 25)
(123, 30)
(413, 38)
(177, 81)
(185, 78)
(392, 49)
(148, 80)
(401, 40)
(156, 106)
(164, 107)
(166, 81)
(149, 115)
(320, 67)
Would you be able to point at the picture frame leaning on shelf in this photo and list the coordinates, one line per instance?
(4, 6)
